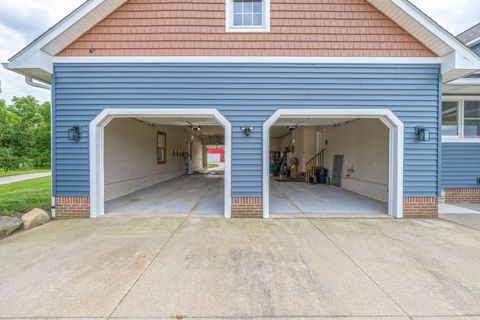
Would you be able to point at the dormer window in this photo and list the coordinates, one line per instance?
(248, 15)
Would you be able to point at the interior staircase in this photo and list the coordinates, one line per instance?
(311, 166)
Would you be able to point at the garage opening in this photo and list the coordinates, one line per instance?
(148, 164)
(327, 165)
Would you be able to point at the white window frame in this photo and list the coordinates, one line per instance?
(229, 27)
(461, 112)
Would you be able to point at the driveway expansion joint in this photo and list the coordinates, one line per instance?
(361, 269)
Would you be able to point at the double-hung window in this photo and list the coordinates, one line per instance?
(461, 119)
(248, 15)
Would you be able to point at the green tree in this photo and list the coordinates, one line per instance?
(24, 133)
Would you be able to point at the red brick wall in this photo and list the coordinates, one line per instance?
(247, 207)
(462, 195)
(420, 207)
(321, 28)
(72, 207)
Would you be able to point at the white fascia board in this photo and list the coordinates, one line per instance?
(463, 57)
(33, 57)
(245, 59)
(56, 30)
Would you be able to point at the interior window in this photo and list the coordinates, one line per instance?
(450, 118)
(247, 13)
(471, 126)
(161, 147)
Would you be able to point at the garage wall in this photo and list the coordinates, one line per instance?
(245, 93)
(364, 143)
(275, 144)
(197, 154)
(131, 156)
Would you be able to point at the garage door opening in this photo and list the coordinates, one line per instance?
(156, 164)
(333, 165)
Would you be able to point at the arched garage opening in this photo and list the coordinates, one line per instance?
(156, 156)
(315, 147)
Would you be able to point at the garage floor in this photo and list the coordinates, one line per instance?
(200, 195)
(299, 198)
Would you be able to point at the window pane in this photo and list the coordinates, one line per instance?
(247, 6)
(450, 118)
(472, 128)
(257, 6)
(237, 19)
(257, 19)
(160, 155)
(247, 20)
(472, 109)
(160, 138)
(237, 7)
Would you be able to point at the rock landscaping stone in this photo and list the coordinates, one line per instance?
(34, 217)
(8, 225)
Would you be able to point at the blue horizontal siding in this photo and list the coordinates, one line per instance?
(246, 94)
(460, 165)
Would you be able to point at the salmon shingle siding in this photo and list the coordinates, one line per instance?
(197, 28)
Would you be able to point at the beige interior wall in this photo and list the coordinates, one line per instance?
(285, 141)
(131, 156)
(275, 144)
(197, 154)
(364, 144)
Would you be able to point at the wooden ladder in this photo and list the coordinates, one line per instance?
(318, 161)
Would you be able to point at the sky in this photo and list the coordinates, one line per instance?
(21, 21)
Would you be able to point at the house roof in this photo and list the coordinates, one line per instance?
(470, 36)
(36, 60)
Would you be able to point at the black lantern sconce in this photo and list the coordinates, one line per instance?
(422, 133)
(247, 130)
(74, 133)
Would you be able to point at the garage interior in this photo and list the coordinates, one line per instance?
(159, 166)
(321, 166)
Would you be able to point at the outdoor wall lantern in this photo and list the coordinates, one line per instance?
(74, 133)
(422, 133)
(247, 130)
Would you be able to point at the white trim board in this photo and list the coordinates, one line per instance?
(96, 146)
(243, 59)
(396, 143)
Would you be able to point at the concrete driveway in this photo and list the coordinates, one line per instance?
(160, 267)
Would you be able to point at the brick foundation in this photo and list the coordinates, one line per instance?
(251, 207)
(72, 207)
(462, 195)
(420, 207)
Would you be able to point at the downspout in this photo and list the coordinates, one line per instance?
(29, 81)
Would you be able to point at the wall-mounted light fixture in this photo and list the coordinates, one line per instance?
(422, 133)
(247, 130)
(74, 133)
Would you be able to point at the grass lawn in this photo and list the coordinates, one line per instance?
(212, 165)
(25, 195)
(22, 171)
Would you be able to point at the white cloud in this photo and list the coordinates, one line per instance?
(21, 21)
(454, 15)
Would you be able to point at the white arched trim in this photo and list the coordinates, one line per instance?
(396, 136)
(96, 145)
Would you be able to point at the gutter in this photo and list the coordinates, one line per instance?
(29, 81)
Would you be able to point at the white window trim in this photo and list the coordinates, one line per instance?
(229, 27)
(460, 138)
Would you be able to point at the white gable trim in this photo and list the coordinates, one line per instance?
(458, 59)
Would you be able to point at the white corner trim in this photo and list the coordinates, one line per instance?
(229, 19)
(245, 59)
(396, 152)
(96, 148)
